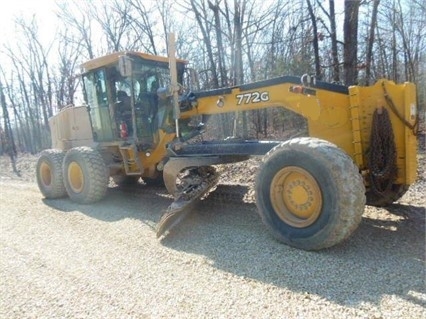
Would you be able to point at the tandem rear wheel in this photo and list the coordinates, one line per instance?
(49, 174)
(85, 175)
(309, 193)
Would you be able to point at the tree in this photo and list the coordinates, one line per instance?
(114, 20)
(65, 80)
(203, 19)
(350, 30)
(315, 39)
(6, 136)
(75, 15)
(370, 43)
(30, 61)
(143, 24)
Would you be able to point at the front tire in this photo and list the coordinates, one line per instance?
(85, 175)
(310, 193)
(49, 174)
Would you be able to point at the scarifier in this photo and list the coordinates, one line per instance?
(310, 191)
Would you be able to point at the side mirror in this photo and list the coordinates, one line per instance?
(125, 65)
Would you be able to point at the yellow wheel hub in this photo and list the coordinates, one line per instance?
(75, 177)
(296, 197)
(45, 174)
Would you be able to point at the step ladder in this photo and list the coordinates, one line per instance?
(131, 161)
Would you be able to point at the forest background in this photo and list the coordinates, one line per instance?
(229, 42)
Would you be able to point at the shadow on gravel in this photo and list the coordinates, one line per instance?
(385, 256)
(381, 258)
(138, 202)
(414, 216)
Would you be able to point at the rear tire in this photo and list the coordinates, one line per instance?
(85, 175)
(310, 193)
(49, 174)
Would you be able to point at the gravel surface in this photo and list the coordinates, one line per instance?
(59, 259)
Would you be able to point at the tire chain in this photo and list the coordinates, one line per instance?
(206, 179)
(231, 195)
(382, 157)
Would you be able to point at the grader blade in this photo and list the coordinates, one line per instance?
(196, 184)
(174, 214)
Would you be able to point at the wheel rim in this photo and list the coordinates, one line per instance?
(45, 174)
(75, 177)
(296, 196)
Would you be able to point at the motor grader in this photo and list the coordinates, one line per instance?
(310, 191)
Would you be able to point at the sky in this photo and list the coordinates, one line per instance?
(43, 9)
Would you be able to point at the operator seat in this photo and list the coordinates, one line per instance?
(123, 99)
(123, 111)
(148, 101)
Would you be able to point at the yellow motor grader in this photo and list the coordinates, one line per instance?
(310, 191)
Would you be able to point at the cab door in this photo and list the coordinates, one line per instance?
(97, 98)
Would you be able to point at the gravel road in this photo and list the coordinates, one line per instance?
(59, 259)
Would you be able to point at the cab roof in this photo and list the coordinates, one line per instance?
(113, 58)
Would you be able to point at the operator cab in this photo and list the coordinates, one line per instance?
(121, 95)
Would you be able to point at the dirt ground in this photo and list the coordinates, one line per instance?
(63, 260)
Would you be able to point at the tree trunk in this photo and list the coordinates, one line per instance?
(207, 42)
(8, 143)
(410, 74)
(239, 74)
(350, 29)
(395, 74)
(371, 42)
(334, 49)
(225, 118)
(315, 40)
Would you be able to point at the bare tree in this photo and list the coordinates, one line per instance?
(143, 24)
(220, 47)
(6, 136)
(203, 20)
(30, 59)
(370, 43)
(350, 29)
(314, 39)
(114, 19)
(334, 50)
(76, 16)
(66, 69)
